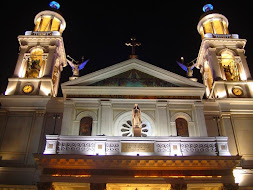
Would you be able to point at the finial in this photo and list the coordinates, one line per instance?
(133, 43)
(208, 7)
(54, 5)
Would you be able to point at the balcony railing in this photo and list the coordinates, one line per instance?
(232, 36)
(46, 33)
(137, 146)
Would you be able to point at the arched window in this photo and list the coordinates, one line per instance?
(85, 126)
(182, 127)
(231, 68)
(34, 63)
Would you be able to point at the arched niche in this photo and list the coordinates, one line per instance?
(79, 117)
(182, 127)
(187, 118)
(85, 128)
(231, 67)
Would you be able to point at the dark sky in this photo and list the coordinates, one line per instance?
(98, 31)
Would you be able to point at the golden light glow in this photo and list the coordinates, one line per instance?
(56, 24)
(208, 28)
(213, 24)
(48, 23)
(227, 58)
(34, 64)
(218, 26)
(231, 68)
(62, 175)
(178, 176)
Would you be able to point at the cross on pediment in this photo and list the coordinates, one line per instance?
(133, 43)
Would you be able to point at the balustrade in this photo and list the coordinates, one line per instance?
(137, 146)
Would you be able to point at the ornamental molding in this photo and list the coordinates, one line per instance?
(182, 115)
(137, 163)
(82, 114)
(214, 42)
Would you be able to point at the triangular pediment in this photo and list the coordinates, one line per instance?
(133, 79)
(133, 73)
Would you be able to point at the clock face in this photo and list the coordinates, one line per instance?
(237, 91)
(27, 88)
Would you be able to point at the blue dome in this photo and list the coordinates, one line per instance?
(54, 5)
(207, 7)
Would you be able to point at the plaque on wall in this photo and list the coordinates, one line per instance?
(137, 147)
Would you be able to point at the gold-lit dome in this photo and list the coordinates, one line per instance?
(212, 23)
(49, 21)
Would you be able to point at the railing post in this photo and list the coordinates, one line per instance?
(51, 144)
(222, 145)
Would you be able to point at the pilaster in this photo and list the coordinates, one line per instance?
(244, 63)
(200, 119)
(50, 61)
(213, 60)
(67, 118)
(228, 130)
(23, 50)
(35, 135)
(106, 118)
(162, 119)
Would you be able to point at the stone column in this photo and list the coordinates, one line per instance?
(22, 52)
(106, 118)
(97, 186)
(244, 63)
(200, 122)
(213, 60)
(50, 61)
(178, 187)
(162, 119)
(66, 128)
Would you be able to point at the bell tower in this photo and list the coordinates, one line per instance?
(41, 56)
(221, 59)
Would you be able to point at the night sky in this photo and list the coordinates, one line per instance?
(98, 31)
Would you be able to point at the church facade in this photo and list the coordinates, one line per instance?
(191, 135)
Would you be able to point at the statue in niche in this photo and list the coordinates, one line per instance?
(136, 121)
(231, 72)
(33, 68)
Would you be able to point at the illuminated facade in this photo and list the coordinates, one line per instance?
(85, 140)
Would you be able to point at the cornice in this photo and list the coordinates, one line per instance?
(97, 91)
(137, 162)
(214, 42)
